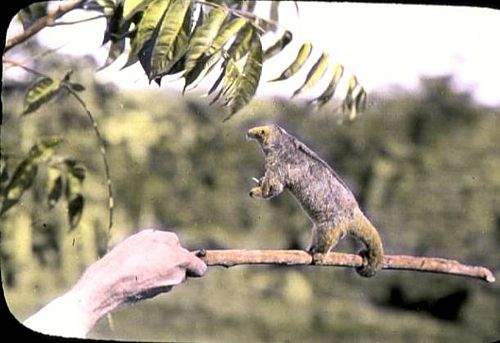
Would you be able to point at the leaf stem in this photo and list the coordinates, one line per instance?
(102, 150)
(28, 69)
(243, 14)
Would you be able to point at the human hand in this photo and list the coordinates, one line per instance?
(140, 267)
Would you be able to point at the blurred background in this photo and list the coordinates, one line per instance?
(424, 164)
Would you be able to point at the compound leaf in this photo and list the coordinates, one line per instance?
(55, 186)
(41, 92)
(131, 7)
(278, 46)
(242, 42)
(300, 60)
(42, 151)
(115, 50)
(203, 66)
(32, 13)
(146, 27)
(75, 209)
(227, 31)
(274, 14)
(338, 71)
(21, 180)
(355, 99)
(315, 74)
(170, 40)
(204, 36)
(246, 85)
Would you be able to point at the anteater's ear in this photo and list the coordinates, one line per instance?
(280, 129)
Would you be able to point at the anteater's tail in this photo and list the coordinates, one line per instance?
(373, 255)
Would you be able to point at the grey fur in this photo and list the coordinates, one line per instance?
(326, 199)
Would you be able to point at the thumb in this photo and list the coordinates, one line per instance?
(195, 266)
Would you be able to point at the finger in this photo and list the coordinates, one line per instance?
(148, 293)
(195, 267)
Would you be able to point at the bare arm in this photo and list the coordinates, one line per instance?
(142, 266)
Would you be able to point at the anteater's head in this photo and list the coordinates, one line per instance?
(265, 135)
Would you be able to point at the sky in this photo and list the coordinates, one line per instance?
(386, 46)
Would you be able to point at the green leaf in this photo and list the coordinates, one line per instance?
(105, 6)
(77, 87)
(75, 209)
(23, 178)
(242, 42)
(41, 92)
(204, 36)
(204, 65)
(42, 151)
(55, 186)
(338, 71)
(67, 76)
(247, 5)
(4, 173)
(244, 33)
(74, 178)
(171, 41)
(355, 99)
(146, 27)
(300, 60)
(274, 14)
(315, 74)
(131, 7)
(32, 13)
(26, 171)
(116, 32)
(246, 85)
(227, 31)
(78, 170)
(115, 50)
(278, 46)
(114, 23)
(229, 76)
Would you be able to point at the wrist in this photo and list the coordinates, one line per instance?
(96, 295)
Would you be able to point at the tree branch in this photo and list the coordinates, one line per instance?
(84, 20)
(43, 22)
(230, 258)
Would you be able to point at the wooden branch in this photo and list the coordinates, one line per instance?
(230, 258)
(43, 22)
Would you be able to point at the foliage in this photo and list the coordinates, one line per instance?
(191, 38)
(64, 174)
(40, 92)
(45, 89)
(425, 168)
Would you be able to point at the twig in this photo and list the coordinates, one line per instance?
(102, 150)
(84, 20)
(230, 258)
(242, 14)
(22, 66)
(43, 22)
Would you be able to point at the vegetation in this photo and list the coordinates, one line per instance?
(424, 167)
(167, 37)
